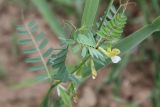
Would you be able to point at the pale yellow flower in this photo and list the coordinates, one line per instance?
(112, 53)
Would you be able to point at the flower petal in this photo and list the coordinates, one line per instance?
(116, 51)
(116, 59)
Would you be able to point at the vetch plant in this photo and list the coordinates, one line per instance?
(99, 43)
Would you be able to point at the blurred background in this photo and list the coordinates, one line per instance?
(134, 82)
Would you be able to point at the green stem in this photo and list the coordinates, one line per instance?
(101, 24)
(44, 104)
(108, 9)
(49, 16)
(80, 65)
(155, 4)
(59, 82)
(99, 42)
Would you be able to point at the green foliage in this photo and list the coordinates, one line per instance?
(137, 37)
(46, 100)
(89, 14)
(155, 4)
(88, 45)
(26, 32)
(113, 28)
(133, 40)
(110, 12)
(49, 16)
(156, 91)
(86, 40)
(57, 61)
(125, 45)
(110, 27)
(65, 97)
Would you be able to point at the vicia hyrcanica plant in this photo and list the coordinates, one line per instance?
(98, 44)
